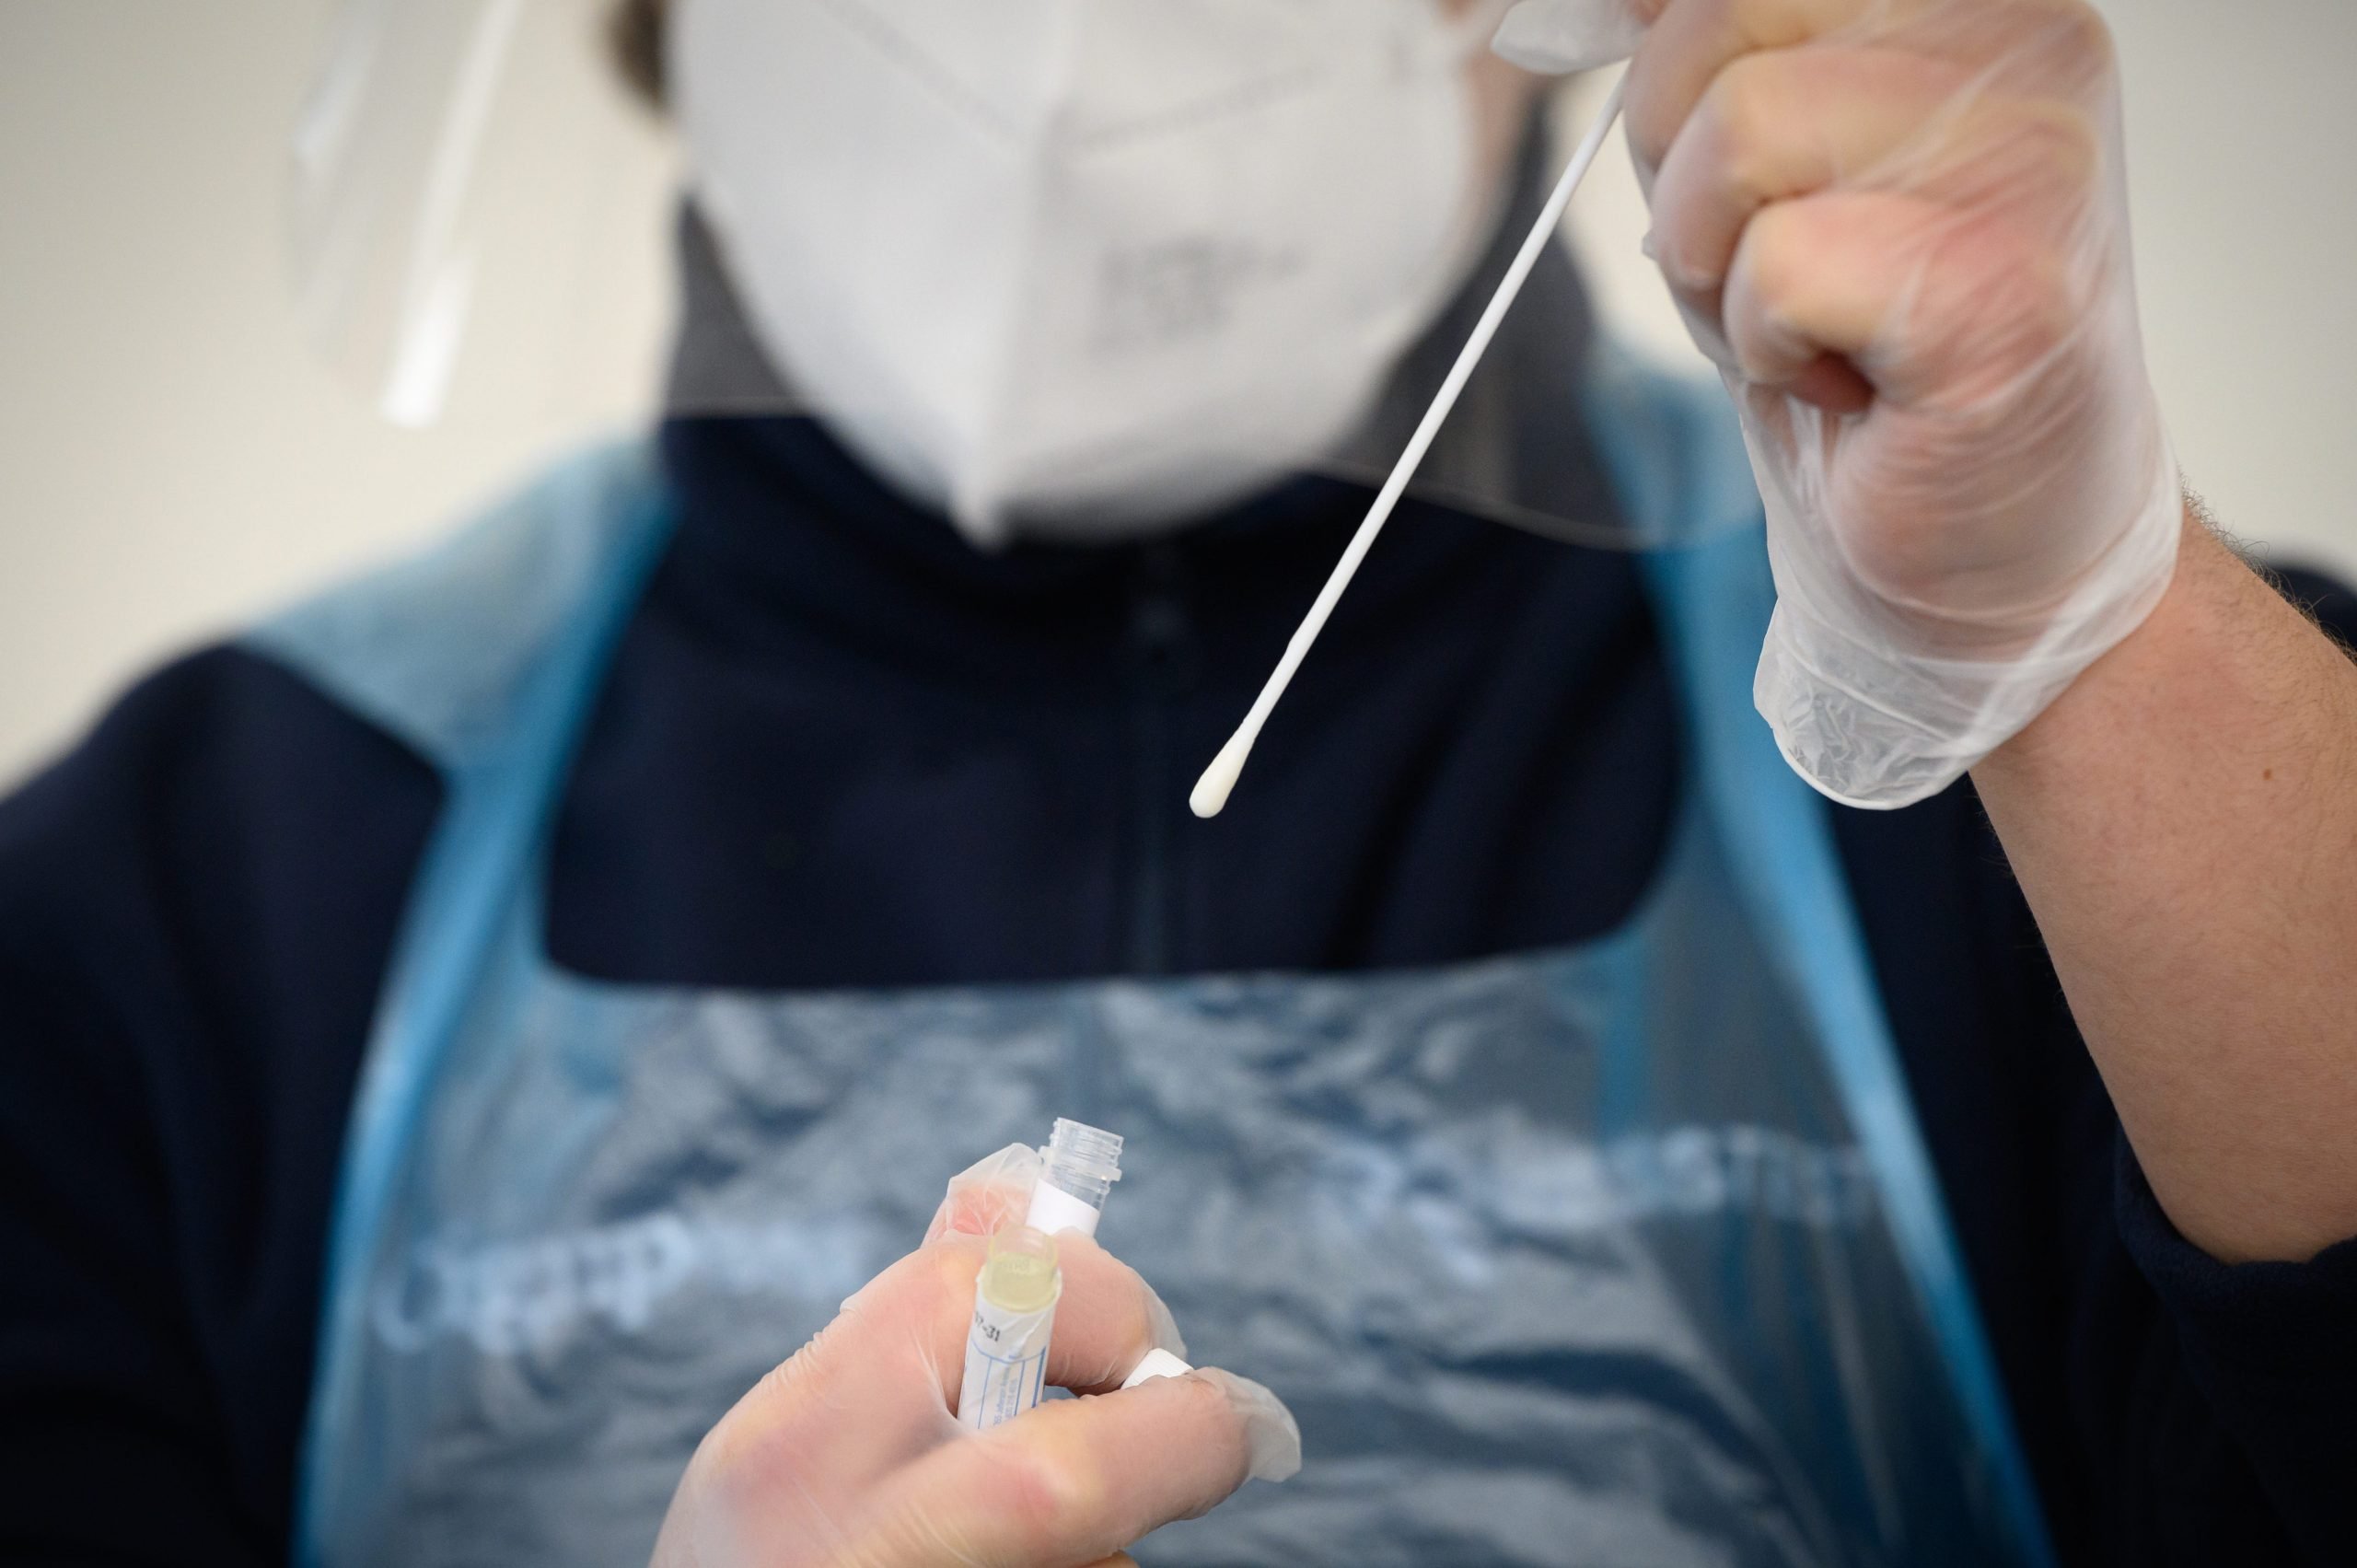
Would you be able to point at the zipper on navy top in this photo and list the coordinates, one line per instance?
(1164, 663)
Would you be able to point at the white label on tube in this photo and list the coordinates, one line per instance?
(1006, 1363)
(1054, 1209)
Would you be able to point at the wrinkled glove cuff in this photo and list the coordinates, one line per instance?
(1931, 720)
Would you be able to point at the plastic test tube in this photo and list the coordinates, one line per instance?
(1082, 1163)
(1014, 1310)
(1015, 1299)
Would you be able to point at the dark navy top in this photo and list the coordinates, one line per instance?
(838, 747)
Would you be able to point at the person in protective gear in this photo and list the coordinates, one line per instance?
(487, 1039)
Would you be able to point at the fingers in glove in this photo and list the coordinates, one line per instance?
(874, 1388)
(1075, 1480)
(1691, 41)
(993, 1193)
(1979, 344)
(1780, 126)
(2059, 49)
(1926, 301)
(1106, 1318)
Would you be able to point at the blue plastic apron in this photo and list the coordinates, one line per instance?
(1628, 1253)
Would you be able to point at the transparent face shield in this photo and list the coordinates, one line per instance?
(1059, 269)
(465, 214)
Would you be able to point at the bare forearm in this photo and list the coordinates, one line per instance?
(2184, 821)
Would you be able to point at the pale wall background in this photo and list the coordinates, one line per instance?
(173, 462)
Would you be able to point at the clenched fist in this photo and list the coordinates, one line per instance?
(1900, 228)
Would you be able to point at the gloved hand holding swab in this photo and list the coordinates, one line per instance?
(1211, 791)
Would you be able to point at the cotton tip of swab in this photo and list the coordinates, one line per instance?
(1210, 796)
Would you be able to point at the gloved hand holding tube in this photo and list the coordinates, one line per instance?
(1900, 228)
(851, 1451)
(1014, 1300)
(1061, 1187)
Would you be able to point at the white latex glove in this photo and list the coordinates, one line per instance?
(848, 1452)
(993, 1193)
(1900, 227)
(1559, 37)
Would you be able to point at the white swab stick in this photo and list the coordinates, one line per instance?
(1212, 790)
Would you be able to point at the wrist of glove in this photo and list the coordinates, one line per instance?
(1880, 701)
(1927, 197)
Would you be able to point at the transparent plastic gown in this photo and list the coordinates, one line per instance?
(1625, 1253)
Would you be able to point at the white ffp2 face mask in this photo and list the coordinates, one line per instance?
(1084, 268)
